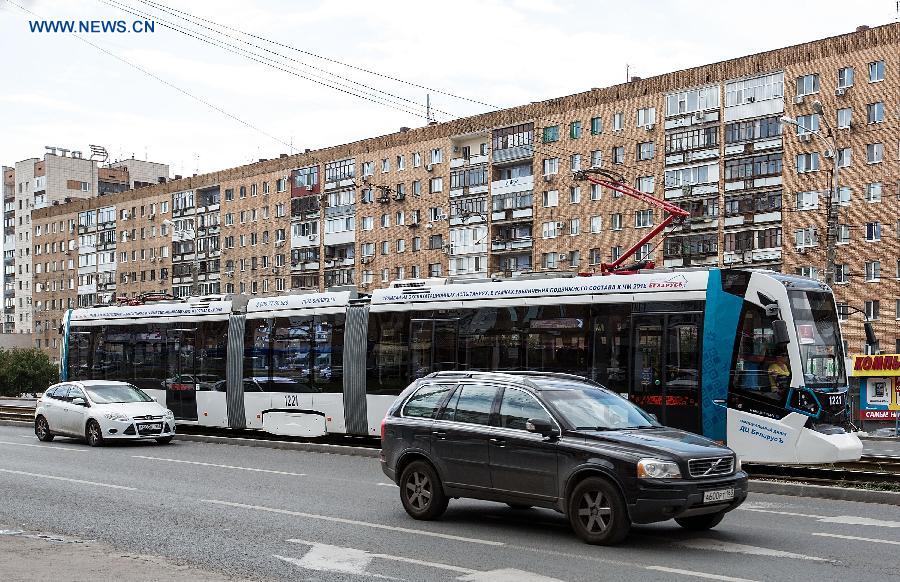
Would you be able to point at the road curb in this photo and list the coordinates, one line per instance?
(824, 492)
(283, 445)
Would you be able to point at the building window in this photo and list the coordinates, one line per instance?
(574, 226)
(844, 157)
(807, 124)
(368, 169)
(616, 221)
(645, 150)
(876, 71)
(872, 309)
(550, 198)
(550, 134)
(385, 166)
(549, 230)
(551, 166)
(645, 253)
(842, 273)
(873, 192)
(808, 162)
(575, 130)
(596, 192)
(575, 162)
(434, 270)
(615, 253)
(844, 117)
(596, 159)
(874, 153)
(806, 237)
(596, 126)
(435, 185)
(618, 155)
(437, 156)
(873, 231)
(618, 121)
(807, 200)
(646, 117)
(875, 112)
(596, 224)
(574, 195)
(845, 77)
(873, 270)
(401, 163)
(548, 260)
(843, 234)
(692, 100)
(845, 194)
(643, 218)
(808, 84)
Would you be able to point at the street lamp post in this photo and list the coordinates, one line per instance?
(833, 198)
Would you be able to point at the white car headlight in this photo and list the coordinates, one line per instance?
(657, 469)
(116, 416)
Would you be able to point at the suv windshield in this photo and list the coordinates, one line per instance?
(597, 409)
(818, 334)
(116, 394)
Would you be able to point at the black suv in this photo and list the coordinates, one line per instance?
(556, 441)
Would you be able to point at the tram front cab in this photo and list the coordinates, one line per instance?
(787, 400)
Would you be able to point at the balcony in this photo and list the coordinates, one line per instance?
(512, 154)
(514, 245)
(470, 161)
(512, 214)
(340, 238)
(521, 184)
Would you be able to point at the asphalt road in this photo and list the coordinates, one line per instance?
(255, 513)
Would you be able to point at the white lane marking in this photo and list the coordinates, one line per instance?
(67, 479)
(721, 546)
(839, 519)
(703, 575)
(324, 558)
(288, 473)
(341, 554)
(55, 447)
(386, 484)
(857, 538)
(354, 522)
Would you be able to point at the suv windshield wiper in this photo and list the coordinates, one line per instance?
(596, 428)
(643, 426)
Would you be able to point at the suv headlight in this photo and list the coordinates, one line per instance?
(657, 469)
(116, 416)
(737, 463)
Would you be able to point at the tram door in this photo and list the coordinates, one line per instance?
(665, 367)
(433, 346)
(181, 384)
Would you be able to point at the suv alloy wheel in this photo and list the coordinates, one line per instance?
(421, 491)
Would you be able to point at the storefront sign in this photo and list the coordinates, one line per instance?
(879, 386)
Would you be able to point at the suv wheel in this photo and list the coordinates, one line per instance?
(597, 512)
(421, 491)
(42, 430)
(700, 522)
(92, 433)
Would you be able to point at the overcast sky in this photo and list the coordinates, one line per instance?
(57, 90)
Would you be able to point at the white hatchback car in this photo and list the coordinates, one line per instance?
(100, 410)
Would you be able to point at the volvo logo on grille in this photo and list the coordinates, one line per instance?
(713, 467)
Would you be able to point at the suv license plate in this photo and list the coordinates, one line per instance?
(718, 495)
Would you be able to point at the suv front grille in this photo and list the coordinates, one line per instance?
(711, 467)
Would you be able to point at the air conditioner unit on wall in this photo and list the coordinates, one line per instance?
(840, 91)
(799, 99)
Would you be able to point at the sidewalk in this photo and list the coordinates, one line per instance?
(28, 556)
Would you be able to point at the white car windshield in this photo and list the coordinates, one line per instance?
(116, 393)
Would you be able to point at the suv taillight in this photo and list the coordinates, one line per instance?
(383, 421)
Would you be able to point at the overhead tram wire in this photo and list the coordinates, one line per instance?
(167, 83)
(278, 65)
(160, 6)
(121, 5)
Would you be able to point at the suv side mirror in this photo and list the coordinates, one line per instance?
(79, 401)
(780, 329)
(540, 426)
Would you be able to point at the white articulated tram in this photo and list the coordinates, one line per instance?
(750, 357)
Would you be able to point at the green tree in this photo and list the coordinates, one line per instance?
(25, 370)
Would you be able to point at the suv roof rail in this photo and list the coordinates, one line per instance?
(517, 375)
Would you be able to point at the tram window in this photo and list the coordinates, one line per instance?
(257, 351)
(683, 357)
(557, 338)
(611, 345)
(761, 365)
(210, 346)
(387, 360)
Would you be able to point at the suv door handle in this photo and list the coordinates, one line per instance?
(439, 434)
(497, 441)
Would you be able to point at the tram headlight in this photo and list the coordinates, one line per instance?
(657, 469)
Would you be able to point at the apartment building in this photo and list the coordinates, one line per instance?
(63, 176)
(497, 194)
